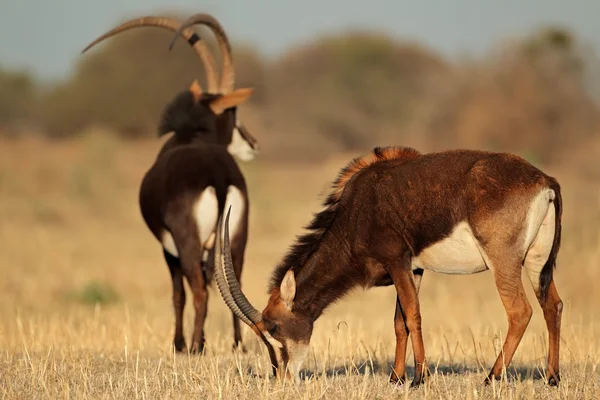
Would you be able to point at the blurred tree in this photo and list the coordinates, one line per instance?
(17, 96)
(553, 49)
(556, 48)
(346, 87)
(123, 84)
(343, 92)
(530, 98)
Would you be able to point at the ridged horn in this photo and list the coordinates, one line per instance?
(173, 25)
(231, 291)
(222, 280)
(228, 72)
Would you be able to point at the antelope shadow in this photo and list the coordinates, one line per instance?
(372, 367)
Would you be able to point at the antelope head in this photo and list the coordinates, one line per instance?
(285, 331)
(239, 140)
(242, 143)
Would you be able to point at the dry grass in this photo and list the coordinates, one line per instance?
(71, 235)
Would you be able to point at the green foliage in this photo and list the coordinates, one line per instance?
(93, 293)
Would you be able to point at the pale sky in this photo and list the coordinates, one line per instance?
(46, 36)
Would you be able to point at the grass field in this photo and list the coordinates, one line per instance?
(85, 301)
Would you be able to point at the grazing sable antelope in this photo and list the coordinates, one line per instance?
(194, 176)
(395, 212)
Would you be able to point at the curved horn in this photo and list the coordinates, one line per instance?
(220, 276)
(228, 73)
(173, 25)
(225, 264)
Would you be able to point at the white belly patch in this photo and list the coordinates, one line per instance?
(456, 254)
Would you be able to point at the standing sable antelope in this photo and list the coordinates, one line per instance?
(195, 176)
(396, 212)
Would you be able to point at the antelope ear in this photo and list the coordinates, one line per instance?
(219, 105)
(196, 90)
(287, 289)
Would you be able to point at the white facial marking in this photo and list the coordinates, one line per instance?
(277, 346)
(459, 253)
(542, 216)
(274, 342)
(206, 213)
(169, 244)
(236, 200)
(239, 147)
(298, 353)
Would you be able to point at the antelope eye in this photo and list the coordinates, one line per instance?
(273, 329)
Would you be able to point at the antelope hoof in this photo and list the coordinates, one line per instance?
(179, 344)
(240, 347)
(491, 377)
(398, 380)
(554, 379)
(197, 347)
(416, 382)
(419, 380)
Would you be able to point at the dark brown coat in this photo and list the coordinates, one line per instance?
(184, 192)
